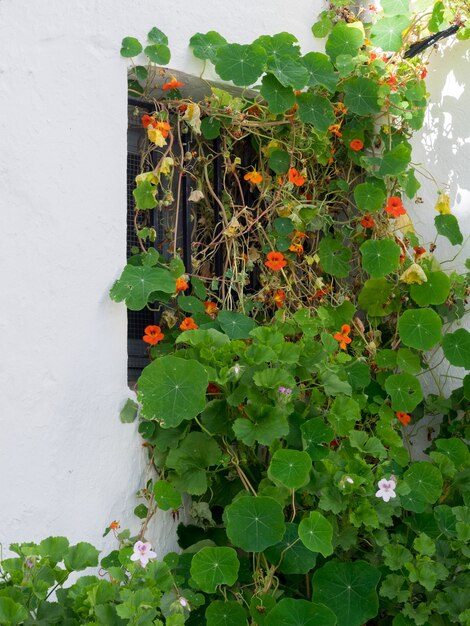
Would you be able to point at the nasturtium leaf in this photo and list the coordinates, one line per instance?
(156, 36)
(425, 483)
(455, 449)
(289, 71)
(196, 452)
(405, 391)
(434, 291)
(210, 128)
(166, 496)
(456, 348)
(242, 64)
(316, 533)
(395, 7)
(291, 612)
(409, 182)
(344, 39)
(293, 557)
(375, 297)
(345, 64)
(291, 468)
(335, 257)
(236, 325)
(315, 110)
(361, 96)
(255, 523)
(202, 338)
(54, 548)
(130, 47)
(81, 556)
(141, 511)
(129, 411)
(369, 197)
(141, 72)
(420, 328)
(380, 257)
(144, 195)
(211, 567)
(279, 45)
(278, 97)
(205, 46)
(158, 53)
(358, 374)
(172, 390)
(220, 613)
(190, 304)
(408, 361)
(386, 359)
(395, 161)
(137, 283)
(321, 28)
(315, 433)
(349, 590)
(386, 33)
(321, 71)
(279, 161)
(448, 226)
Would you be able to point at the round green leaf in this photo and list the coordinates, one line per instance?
(236, 325)
(220, 613)
(320, 70)
(405, 392)
(54, 548)
(291, 468)
(137, 283)
(206, 46)
(408, 361)
(361, 96)
(156, 36)
(141, 72)
(316, 533)
(196, 452)
(456, 348)
(335, 257)
(344, 39)
(420, 328)
(144, 195)
(349, 590)
(290, 612)
(380, 257)
(278, 97)
(211, 567)
(315, 433)
(322, 27)
(190, 304)
(172, 390)
(210, 128)
(448, 226)
(435, 291)
(386, 33)
(130, 47)
(279, 161)
(255, 523)
(291, 555)
(166, 496)
(158, 53)
(425, 483)
(375, 297)
(395, 161)
(395, 7)
(279, 45)
(289, 71)
(315, 110)
(369, 197)
(242, 64)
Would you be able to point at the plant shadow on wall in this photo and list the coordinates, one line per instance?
(286, 365)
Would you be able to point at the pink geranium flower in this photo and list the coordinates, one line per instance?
(143, 553)
(386, 489)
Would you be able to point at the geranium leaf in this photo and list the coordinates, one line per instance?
(435, 291)
(158, 53)
(254, 523)
(166, 496)
(369, 197)
(380, 257)
(130, 47)
(386, 33)
(54, 548)
(335, 257)
(420, 328)
(361, 96)
(344, 39)
(290, 612)
(220, 613)
(456, 348)
(343, 414)
(349, 590)
(12, 612)
(211, 567)
(242, 64)
(316, 533)
(279, 98)
(448, 226)
(81, 556)
(196, 452)
(315, 110)
(405, 392)
(137, 283)
(268, 424)
(291, 468)
(320, 71)
(293, 557)
(172, 390)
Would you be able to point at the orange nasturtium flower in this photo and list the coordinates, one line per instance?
(339, 108)
(279, 296)
(148, 120)
(367, 221)
(419, 251)
(295, 177)
(254, 177)
(356, 145)
(181, 284)
(115, 525)
(211, 307)
(152, 335)
(392, 81)
(342, 337)
(395, 207)
(158, 132)
(188, 324)
(297, 247)
(404, 418)
(276, 261)
(172, 84)
(335, 130)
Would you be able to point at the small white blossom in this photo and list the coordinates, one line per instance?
(196, 196)
(349, 480)
(184, 603)
(386, 489)
(143, 553)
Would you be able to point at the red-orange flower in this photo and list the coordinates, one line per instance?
(152, 335)
(339, 108)
(395, 207)
(356, 145)
(296, 178)
(424, 73)
(297, 247)
(372, 57)
(115, 525)
(254, 177)
(367, 221)
(148, 120)
(181, 284)
(211, 307)
(392, 82)
(188, 324)
(342, 337)
(212, 389)
(276, 261)
(172, 84)
(279, 296)
(419, 251)
(319, 293)
(404, 418)
(335, 130)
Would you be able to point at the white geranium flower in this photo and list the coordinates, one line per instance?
(143, 553)
(386, 489)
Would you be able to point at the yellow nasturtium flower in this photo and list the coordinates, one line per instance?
(147, 176)
(414, 275)
(443, 204)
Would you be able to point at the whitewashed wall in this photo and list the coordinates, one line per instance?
(67, 465)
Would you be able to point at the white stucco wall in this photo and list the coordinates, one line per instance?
(67, 465)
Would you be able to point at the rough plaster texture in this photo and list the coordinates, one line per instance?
(67, 465)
